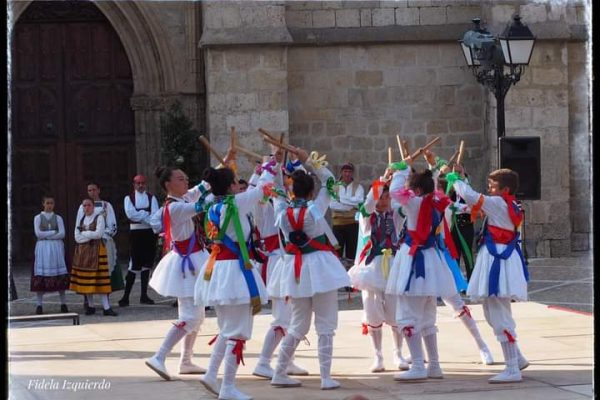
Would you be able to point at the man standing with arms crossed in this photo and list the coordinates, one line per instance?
(139, 206)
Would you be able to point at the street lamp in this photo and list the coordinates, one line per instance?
(487, 55)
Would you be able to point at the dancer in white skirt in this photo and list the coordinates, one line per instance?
(228, 280)
(378, 242)
(500, 274)
(49, 268)
(281, 309)
(311, 271)
(177, 272)
(420, 273)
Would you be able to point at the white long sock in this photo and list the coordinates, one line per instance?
(216, 357)
(63, 297)
(376, 340)
(510, 356)
(272, 339)
(471, 326)
(432, 348)
(187, 348)
(105, 303)
(397, 336)
(231, 366)
(325, 355)
(174, 335)
(286, 354)
(40, 298)
(415, 346)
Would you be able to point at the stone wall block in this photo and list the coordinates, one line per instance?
(517, 117)
(407, 16)
(580, 242)
(358, 4)
(428, 56)
(328, 58)
(272, 100)
(502, 13)
(331, 4)
(551, 116)
(558, 11)
(432, 16)
(355, 57)
(437, 126)
(542, 248)
(531, 13)
(347, 18)
(272, 121)
(241, 102)
(323, 19)
(368, 78)
(265, 79)
(446, 94)
(317, 128)
(581, 222)
(241, 60)
(240, 121)
(366, 18)
(560, 248)
(273, 58)
(419, 3)
(383, 16)
(298, 19)
(228, 82)
(393, 3)
(301, 59)
(454, 76)
(461, 14)
(459, 125)
(525, 97)
(306, 5)
(215, 60)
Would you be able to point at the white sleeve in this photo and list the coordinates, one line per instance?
(354, 201)
(131, 212)
(61, 229)
(323, 199)
(155, 221)
(110, 227)
(246, 201)
(41, 235)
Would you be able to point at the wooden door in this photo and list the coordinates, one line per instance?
(71, 118)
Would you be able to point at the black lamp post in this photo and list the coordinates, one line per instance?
(488, 55)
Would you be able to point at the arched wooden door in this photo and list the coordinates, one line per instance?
(72, 122)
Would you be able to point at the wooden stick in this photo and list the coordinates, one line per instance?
(461, 149)
(267, 134)
(215, 153)
(281, 137)
(280, 145)
(405, 147)
(451, 160)
(400, 146)
(389, 155)
(249, 153)
(233, 138)
(422, 149)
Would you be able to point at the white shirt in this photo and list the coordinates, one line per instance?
(140, 219)
(348, 201)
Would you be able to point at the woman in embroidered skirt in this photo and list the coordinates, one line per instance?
(229, 282)
(90, 273)
(177, 272)
(49, 269)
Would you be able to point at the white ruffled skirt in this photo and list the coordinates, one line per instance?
(511, 281)
(274, 280)
(227, 285)
(49, 258)
(369, 277)
(167, 278)
(321, 272)
(438, 279)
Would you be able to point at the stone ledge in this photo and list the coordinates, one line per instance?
(236, 36)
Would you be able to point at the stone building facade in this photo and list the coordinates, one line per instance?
(345, 77)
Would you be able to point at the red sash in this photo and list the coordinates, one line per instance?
(501, 235)
(271, 244)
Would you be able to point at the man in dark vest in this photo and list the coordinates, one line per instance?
(139, 205)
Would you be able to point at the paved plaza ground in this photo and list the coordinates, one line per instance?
(49, 360)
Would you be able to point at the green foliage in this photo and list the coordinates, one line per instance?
(179, 143)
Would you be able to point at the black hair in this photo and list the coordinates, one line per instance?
(47, 196)
(220, 180)
(163, 174)
(243, 182)
(422, 180)
(93, 183)
(303, 184)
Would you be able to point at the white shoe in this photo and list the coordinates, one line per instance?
(486, 356)
(413, 374)
(434, 371)
(294, 369)
(263, 371)
(377, 365)
(506, 376)
(191, 369)
(285, 381)
(400, 362)
(212, 385)
(159, 367)
(329, 384)
(232, 393)
(523, 363)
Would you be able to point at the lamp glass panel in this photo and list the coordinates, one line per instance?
(467, 53)
(520, 51)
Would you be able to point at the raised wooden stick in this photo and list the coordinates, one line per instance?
(280, 145)
(249, 153)
(389, 155)
(422, 149)
(233, 138)
(281, 137)
(461, 149)
(267, 134)
(214, 152)
(451, 160)
(400, 146)
(405, 148)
